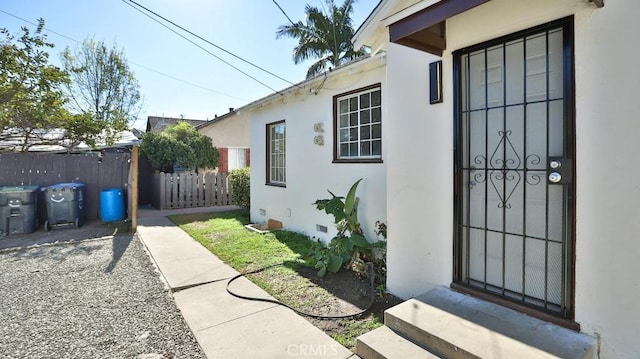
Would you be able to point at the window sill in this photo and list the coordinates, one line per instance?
(281, 185)
(358, 160)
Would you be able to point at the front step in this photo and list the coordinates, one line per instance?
(384, 343)
(455, 325)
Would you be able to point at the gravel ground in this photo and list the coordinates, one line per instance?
(99, 298)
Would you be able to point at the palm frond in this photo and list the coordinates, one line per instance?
(325, 35)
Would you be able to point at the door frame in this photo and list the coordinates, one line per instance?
(565, 319)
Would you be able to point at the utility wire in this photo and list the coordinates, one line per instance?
(208, 42)
(284, 13)
(199, 46)
(189, 83)
(133, 63)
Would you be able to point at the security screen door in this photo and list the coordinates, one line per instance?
(514, 151)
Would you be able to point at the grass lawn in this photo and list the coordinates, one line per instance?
(293, 283)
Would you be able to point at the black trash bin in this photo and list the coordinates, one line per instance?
(65, 205)
(18, 209)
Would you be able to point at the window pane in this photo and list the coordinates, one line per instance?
(375, 98)
(365, 116)
(353, 104)
(376, 148)
(376, 132)
(344, 121)
(365, 132)
(354, 119)
(375, 115)
(353, 134)
(344, 106)
(353, 149)
(344, 150)
(344, 135)
(365, 149)
(364, 100)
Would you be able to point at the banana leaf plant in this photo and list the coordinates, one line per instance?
(345, 248)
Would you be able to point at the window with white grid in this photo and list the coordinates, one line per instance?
(276, 154)
(359, 125)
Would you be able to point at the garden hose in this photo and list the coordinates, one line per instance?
(310, 315)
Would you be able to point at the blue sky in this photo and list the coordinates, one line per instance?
(207, 86)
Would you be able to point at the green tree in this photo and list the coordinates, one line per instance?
(31, 99)
(181, 145)
(325, 36)
(102, 86)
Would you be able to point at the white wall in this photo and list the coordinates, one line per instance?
(607, 179)
(419, 177)
(310, 171)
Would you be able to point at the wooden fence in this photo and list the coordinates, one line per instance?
(97, 170)
(188, 189)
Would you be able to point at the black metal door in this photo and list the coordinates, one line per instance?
(514, 152)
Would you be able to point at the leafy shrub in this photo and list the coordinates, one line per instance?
(349, 244)
(180, 145)
(239, 179)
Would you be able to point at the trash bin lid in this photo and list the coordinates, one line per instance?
(71, 185)
(8, 189)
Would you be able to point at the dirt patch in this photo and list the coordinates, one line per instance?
(91, 229)
(336, 294)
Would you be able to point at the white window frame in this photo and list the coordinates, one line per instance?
(358, 125)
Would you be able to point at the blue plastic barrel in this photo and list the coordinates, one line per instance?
(111, 205)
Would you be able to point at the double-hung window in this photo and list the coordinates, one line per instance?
(276, 154)
(358, 125)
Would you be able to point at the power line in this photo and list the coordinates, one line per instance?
(33, 23)
(133, 63)
(208, 42)
(283, 13)
(189, 83)
(199, 46)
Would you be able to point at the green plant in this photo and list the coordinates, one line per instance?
(349, 244)
(239, 180)
(180, 145)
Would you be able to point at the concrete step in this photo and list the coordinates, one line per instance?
(384, 343)
(454, 325)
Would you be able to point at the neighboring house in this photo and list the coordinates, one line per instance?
(230, 135)
(53, 140)
(514, 181)
(157, 124)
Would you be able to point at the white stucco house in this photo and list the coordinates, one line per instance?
(505, 167)
(298, 155)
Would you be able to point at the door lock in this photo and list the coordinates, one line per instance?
(559, 170)
(555, 177)
(555, 164)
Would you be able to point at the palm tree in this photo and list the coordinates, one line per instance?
(325, 36)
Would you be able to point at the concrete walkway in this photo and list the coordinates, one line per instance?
(225, 326)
